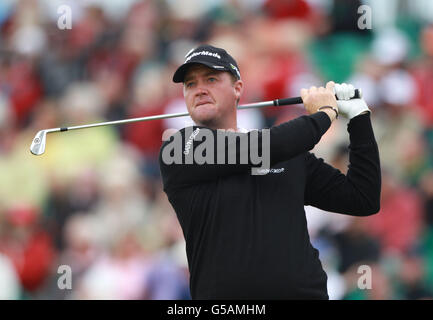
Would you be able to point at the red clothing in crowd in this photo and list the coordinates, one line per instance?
(424, 95)
(32, 258)
(398, 222)
(146, 136)
(21, 85)
(30, 249)
(288, 9)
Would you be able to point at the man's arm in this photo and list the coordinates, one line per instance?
(286, 141)
(356, 193)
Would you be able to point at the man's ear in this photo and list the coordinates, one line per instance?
(239, 88)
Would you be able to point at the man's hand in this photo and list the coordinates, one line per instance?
(315, 98)
(349, 108)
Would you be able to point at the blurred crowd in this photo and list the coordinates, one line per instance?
(94, 200)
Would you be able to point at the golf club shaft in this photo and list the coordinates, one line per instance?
(38, 145)
(270, 103)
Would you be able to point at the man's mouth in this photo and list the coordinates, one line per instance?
(201, 103)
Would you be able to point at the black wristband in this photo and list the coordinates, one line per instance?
(329, 107)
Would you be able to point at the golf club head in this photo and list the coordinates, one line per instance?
(38, 143)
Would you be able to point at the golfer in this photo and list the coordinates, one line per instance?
(246, 234)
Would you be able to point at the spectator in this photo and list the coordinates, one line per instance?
(28, 246)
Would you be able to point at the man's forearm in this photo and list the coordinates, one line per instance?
(356, 193)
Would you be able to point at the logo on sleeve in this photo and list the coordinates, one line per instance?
(190, 139)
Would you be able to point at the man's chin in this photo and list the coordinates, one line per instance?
(206, 122)
(204, 118)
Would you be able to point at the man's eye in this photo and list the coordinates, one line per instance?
(212, 79)
(189, 84)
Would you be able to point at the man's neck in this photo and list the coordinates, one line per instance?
(228, 126)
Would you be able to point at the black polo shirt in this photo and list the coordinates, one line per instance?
(246, 235)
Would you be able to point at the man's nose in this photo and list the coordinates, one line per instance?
(201, 90)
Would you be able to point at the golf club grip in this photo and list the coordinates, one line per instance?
(298, 100)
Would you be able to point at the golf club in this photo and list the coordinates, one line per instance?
(39, 142)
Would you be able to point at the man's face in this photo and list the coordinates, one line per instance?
(211, 96)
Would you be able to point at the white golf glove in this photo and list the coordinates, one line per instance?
(347, 107)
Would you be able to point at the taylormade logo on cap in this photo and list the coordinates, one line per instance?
(210, 56)
(203, 53)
